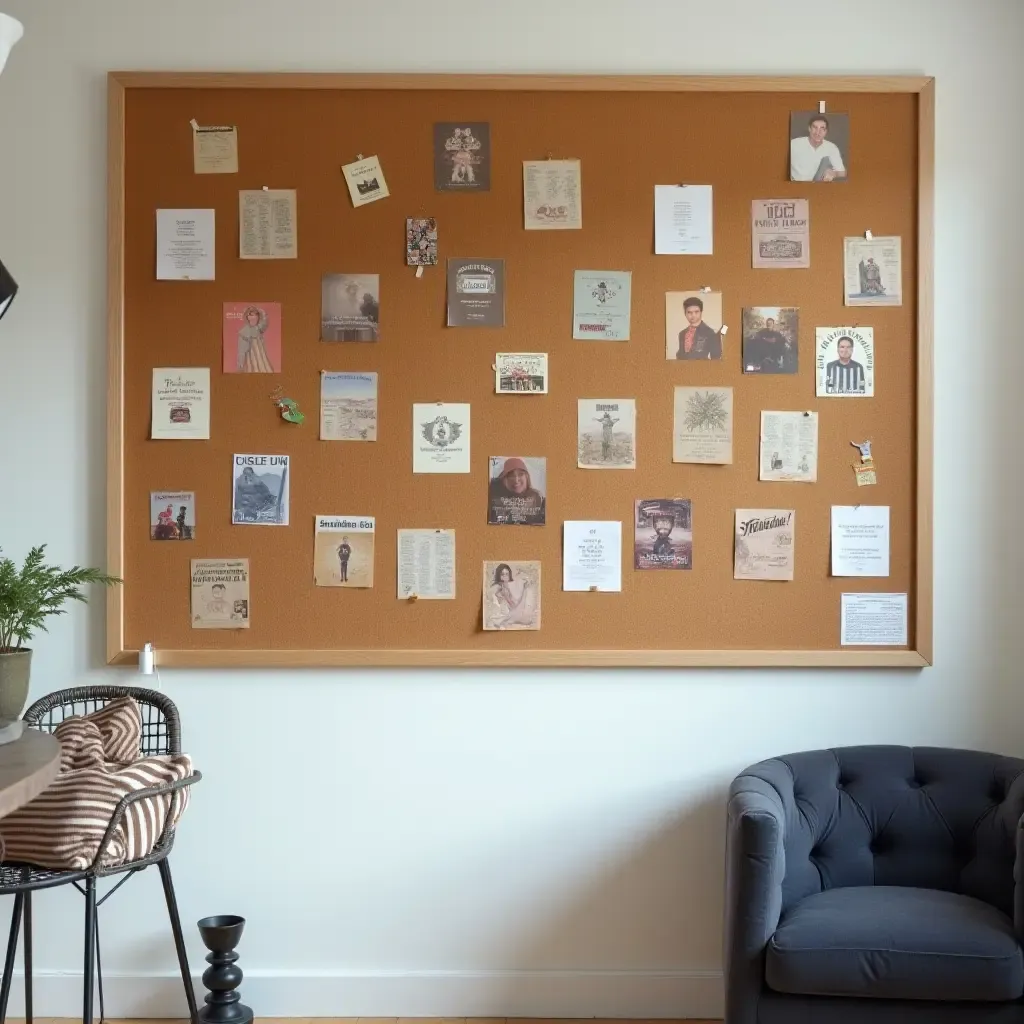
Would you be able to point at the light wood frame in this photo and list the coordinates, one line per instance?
(118, 82)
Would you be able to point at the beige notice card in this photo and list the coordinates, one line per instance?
(214, 149)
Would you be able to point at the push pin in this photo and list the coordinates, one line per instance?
(593, 588)
(413, 597)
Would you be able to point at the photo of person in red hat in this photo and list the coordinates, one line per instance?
(516, 492)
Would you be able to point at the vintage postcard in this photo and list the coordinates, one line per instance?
(348, 406)
(818, 146)
(440, 437)
(683, 221)
(764, 544)
(780, 232)
(267, 224)
(185, 245)
(365, 180)
(552, 195)
(252, 337)
(511, 595)
(521, 373)
(702, 425)
(517, 492)
(873, 271)
(606, 433)
(181, 403)
(172, 515)
(789, 446)
(771, 338)
(426, 564)
(592, 555)
(350, 307)
(343, 551)
(601, 305)
(662, 534)
(420, 241)
(220, 593)
(214, 149)
(845, 362)
(476, 293)
(693, 325)
(260, 490)
(462, 156)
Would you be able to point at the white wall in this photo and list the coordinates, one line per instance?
(484, 842)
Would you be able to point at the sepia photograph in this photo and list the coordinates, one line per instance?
(693, 325)
(605, 435)
(770, 339)
(350, 307)
(343, 551)
(818, 145)
(873, 271)
(511, 595)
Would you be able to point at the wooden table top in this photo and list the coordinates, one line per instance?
(27, 767)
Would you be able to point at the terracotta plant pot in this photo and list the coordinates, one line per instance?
(14, 678)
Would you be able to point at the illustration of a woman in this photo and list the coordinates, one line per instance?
(514, 598)
(252, 352)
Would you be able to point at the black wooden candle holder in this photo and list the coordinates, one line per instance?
(220, 935)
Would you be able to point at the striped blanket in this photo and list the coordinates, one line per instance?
(101, 762)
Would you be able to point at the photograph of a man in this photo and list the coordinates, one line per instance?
(770, 339)
(693, 325)
(817, 146)
(846, 362)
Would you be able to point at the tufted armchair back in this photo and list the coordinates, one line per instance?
(926, 817)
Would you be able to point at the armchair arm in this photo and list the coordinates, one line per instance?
(755, 867)
(1018, 880)
(130, 798)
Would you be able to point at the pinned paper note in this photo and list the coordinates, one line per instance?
(365, 180)
(214, 149)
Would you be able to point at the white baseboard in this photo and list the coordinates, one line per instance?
(639, 994)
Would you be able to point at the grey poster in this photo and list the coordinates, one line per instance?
(462, 156)
(476, 293)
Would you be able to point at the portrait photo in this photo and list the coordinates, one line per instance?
(845, 362)
(693, 325)
(771, 335)
(517, 490)
(818, 146)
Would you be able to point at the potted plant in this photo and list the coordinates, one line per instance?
(27, 598)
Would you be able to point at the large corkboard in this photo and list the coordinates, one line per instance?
(630, 133)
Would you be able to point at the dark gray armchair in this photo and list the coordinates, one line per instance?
(876, 885)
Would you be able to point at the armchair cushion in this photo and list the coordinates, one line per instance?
(893, 942)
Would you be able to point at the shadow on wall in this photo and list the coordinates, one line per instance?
(635, 934)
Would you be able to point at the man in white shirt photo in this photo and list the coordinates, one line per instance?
(812, 157)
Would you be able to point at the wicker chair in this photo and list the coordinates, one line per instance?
(161, 734)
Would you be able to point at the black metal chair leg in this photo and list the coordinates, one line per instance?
(179, 939)
(99, 969)
(90, 949)
(12, 949)
(28, 956)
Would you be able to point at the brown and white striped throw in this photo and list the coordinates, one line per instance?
(62, 827)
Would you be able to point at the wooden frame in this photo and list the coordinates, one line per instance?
(923, 87)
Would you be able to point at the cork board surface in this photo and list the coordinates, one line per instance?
(627, 142)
